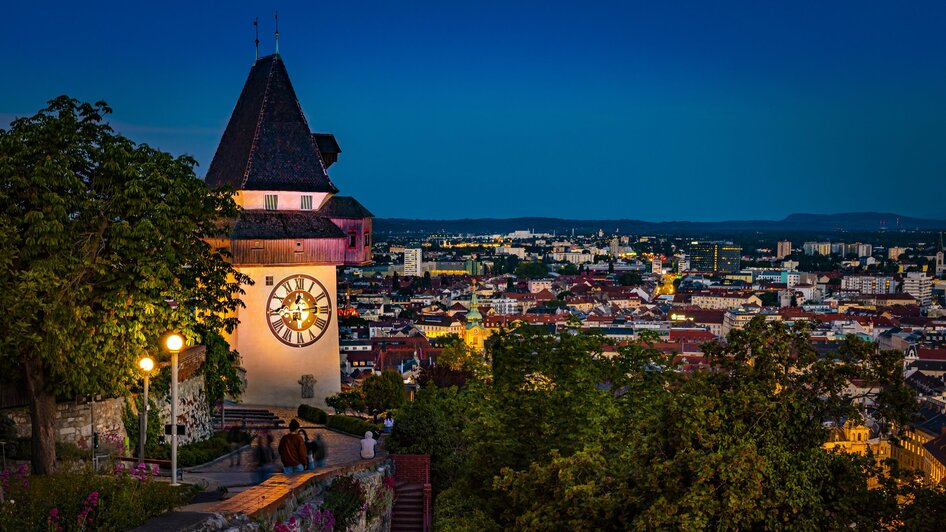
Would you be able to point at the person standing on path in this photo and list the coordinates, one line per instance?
(235, 439)
(320, 450)
(265, 456)
(292, 450)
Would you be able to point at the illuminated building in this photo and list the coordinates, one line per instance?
(291, 234)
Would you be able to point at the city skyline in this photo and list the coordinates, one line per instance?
(656, 112)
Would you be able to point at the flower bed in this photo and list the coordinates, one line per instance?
(81, 500)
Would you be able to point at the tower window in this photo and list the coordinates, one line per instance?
(306, 203)
(367, 240)
(270, 200)
(269, 280)
(352, 239)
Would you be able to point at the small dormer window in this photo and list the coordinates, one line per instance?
(306, 203)
(271, 201)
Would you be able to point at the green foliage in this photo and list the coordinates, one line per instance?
(630, 279)
(433, 424)
(353, 425)
(345, 498)
(123, 503)
(347, 401)
(221, 378)
(459, 357)
(154, 428)
(562, 438)
(200, 452)
(383, 392)
(97, 234)
(568, 269)
(7, 428)
(532, 270)
(312, 414)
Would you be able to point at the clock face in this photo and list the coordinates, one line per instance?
(299, 311)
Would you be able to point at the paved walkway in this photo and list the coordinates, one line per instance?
(341, 449)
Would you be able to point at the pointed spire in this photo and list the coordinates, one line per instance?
(277, 32)
(256, 28)
(267, 144)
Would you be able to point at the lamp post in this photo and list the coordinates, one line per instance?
(174, 342)
(146, 364)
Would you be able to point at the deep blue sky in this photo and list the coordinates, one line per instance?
(651, 110)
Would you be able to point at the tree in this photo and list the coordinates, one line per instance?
(383, 392)
(561, 437)
(426, 283)
(395, 282)
(568, 269)
(347, 401)
(630, 279)
(610, 266)
(99, 234)
(532, 270)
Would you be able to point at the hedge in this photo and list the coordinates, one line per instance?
(312, 414)
(201, 452)
(353, 425)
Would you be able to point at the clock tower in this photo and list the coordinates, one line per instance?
(291, 234)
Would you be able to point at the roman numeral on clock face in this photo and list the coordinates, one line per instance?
(299, 339)
(278, 325)
(320, 323)
(300, 283)
(319, 297)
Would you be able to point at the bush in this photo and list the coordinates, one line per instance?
(200, 452)
(313, 414)
(344, 499)
(353, 425)
(102, 502)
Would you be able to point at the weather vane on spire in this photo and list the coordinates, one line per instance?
(256, 27)
(277, 31)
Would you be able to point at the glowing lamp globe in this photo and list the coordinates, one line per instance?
(146, 364)
(174, 342)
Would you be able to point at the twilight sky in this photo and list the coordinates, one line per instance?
(652, 110)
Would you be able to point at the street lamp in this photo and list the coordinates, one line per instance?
(146, 364)
(174, 342)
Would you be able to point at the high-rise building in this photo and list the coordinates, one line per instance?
(715, 257)
(940, 264)
(291, 234)
(784, 249)
(920, 286)
(413, 262)
(869, 284)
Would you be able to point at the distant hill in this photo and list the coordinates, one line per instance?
(853, 221)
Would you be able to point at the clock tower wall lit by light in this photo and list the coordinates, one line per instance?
(293, 231)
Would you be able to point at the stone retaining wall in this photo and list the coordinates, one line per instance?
(193, 410)
(280, 497)
(73, 420)
(74, 423)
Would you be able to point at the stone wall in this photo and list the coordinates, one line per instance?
(73, 420)
(74, 423)
(282, 497)
(192, 410)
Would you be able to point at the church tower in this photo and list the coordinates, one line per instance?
(292, 233)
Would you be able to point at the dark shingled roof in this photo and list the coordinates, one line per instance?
(267, 144)
(276, 225)
(344, 207)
